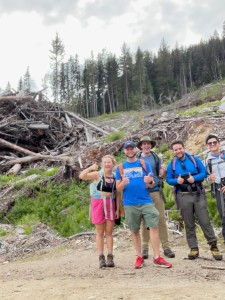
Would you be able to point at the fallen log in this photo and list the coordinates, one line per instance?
(14, 170)
(17, 148)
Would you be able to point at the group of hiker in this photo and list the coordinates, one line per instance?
(139, 180)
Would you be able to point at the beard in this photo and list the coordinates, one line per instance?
(130, 156)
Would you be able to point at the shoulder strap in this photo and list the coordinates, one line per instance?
(143, 164)
(210, 165)
(121, 169)
(190, 156)
(156, 158)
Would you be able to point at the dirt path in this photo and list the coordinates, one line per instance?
(70, 271)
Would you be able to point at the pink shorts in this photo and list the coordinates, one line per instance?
(102, 209)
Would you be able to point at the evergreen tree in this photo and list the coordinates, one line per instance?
(57, 55)
(27, 81)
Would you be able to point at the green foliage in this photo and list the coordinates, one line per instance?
(164, 148)
(5, 179)
(199, 110)
(117, 135)
(213, 211)
(64, 207)
(3, 232)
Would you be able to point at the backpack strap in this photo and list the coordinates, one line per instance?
(143, 164)
(156, 158)
(121, 169)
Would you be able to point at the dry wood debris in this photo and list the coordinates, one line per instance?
(33, 130)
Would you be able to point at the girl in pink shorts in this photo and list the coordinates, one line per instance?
(104, 205)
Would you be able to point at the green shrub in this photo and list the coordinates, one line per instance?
(64, 207)
(164, 148)
(117, 135)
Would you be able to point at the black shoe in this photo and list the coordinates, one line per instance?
(102, 263)
(215, 251)
(194, 253)
(145, 253)
(169, 253)
(110, 262)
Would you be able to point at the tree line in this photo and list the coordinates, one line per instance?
(132, 81)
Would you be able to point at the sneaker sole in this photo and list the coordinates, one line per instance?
(139, 267)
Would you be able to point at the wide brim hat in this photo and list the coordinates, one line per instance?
(146, 139)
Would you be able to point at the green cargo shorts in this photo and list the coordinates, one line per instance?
(135, 213)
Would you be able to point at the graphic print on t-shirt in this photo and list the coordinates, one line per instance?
(133, 172)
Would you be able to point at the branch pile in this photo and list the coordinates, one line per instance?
(33, 130)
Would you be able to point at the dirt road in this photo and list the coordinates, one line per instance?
(70, 271)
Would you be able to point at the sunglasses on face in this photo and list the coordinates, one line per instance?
(212, 143)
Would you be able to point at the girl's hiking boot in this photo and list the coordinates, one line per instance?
(145, 253)
(169, 253)
(102, 263)
(215, 251)
(110, 262)
(194, 253)
(161, 262)
(139, 263)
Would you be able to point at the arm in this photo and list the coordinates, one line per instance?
(90, 173)
(162, 170)
(169, 175)
(202, 174)
(121, 182)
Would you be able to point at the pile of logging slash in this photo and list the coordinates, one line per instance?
(33, 130)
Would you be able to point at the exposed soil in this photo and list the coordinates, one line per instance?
(70, 271)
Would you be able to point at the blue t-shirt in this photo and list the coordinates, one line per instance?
(135, 193)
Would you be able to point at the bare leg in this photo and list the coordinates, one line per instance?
(154, 237)
(137, 242)
(109, 235)
(100, 228)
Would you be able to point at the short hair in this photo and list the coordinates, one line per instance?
(177, 142)
(211, 136)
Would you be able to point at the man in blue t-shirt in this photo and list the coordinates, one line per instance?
(134, 182)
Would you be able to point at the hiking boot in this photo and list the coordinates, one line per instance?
(145, 253)
(110, 262)
(169, 253)
(215, 251)
(161, 262)
(139, 262)
(102, 263)
(194, 253)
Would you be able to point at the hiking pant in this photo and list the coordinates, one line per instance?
(194, 207)
(220, 201)
(163, 233)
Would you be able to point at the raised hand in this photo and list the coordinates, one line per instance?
(191, 178)
(180, 180)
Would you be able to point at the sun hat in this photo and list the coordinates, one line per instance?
(146, 139)
(129, 143)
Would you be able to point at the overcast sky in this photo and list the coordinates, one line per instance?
(27, 28)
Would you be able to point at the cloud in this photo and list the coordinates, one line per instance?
(27, 28)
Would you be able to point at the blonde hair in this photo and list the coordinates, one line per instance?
(111, 157)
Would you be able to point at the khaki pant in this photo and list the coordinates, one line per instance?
(163, 233)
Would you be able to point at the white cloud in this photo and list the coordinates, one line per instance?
(27, 29)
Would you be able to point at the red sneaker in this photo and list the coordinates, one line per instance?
(161, 262)
(139, 262)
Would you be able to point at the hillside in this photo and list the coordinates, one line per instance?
(43, 265)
